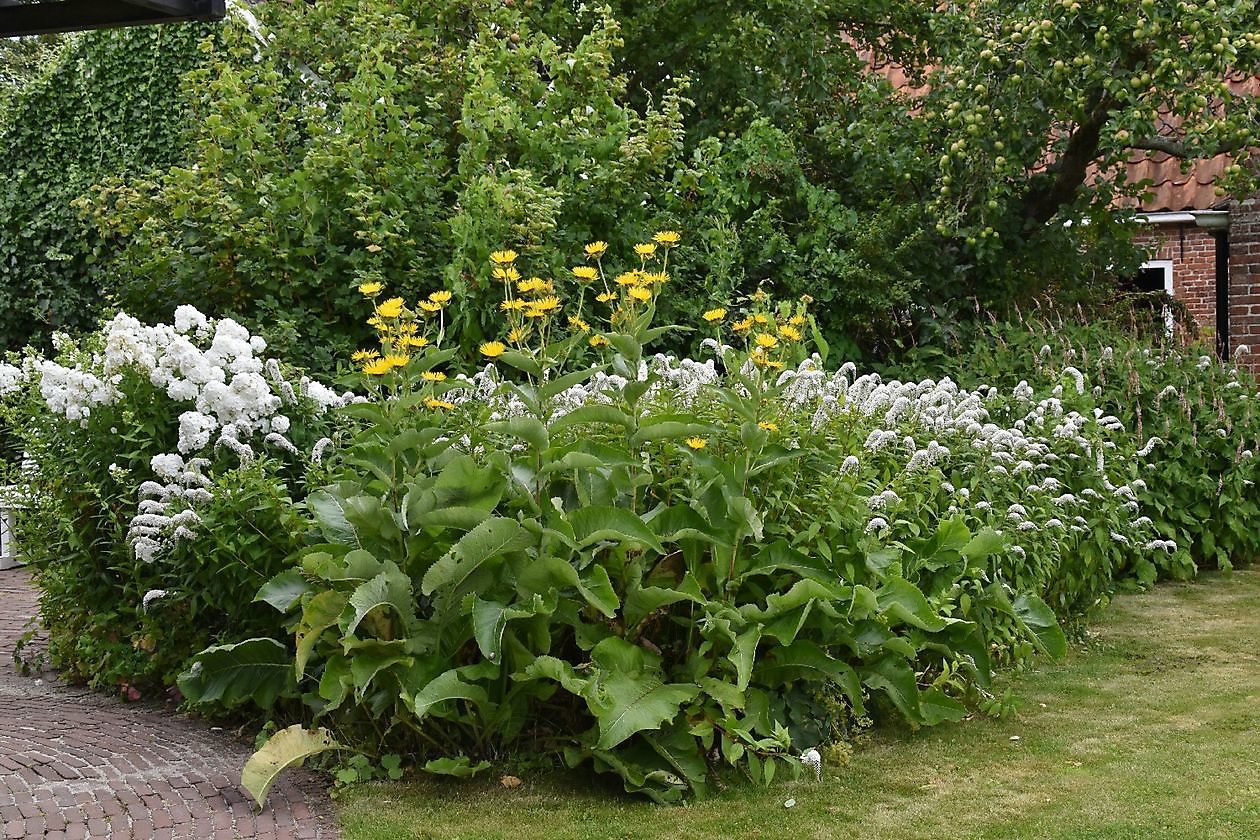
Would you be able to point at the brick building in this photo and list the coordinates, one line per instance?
(1205, 251)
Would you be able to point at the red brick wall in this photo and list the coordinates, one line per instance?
(1192, 251)
(1244, 281)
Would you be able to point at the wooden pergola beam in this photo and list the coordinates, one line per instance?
(19, 18)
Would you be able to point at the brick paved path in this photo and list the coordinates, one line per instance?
(78, 764)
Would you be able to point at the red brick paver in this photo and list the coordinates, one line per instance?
(78, 764)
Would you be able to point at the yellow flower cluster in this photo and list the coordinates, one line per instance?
(771, 332)
(402, 330)
(531, 305)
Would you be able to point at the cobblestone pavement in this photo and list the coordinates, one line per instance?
(78, 764)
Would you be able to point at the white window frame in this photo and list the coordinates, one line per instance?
(1167, 267)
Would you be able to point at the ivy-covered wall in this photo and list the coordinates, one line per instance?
(111, 106)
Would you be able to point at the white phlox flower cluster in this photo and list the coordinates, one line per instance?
(12, 378)
(72, 392)
(224, 382)
(165, 512)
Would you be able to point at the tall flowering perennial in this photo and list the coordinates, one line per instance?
(205, 379)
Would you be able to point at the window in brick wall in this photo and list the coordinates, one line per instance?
(1153, 277)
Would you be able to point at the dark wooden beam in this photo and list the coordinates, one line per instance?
(73, 15)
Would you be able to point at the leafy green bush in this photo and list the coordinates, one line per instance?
(402, 153)
(667, 567)
(105, 104)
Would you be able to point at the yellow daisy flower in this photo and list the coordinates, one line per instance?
(598, 341)
(507, 275)
(546, 304)
(767, 341)
(391, 308)
(377, 367)
(443, 297)
(415, 341)
(760, 318)
(796, 320)
(596, 249)
(645, 249)
(430, 306)
(606, 297)
(697, 442)
(364, 355)
(533, 284)
(370, 289)
(769, 427)
(503, 257)
(790, 333)
(396, 359)
(578, 324)
(639, 293)
(585, 272)
(655, 278)
(514, 305)
(667, 237)
(517, 335)
(493, 349)
(433, 376)
(629, 278)
(714, 315)
(435, 404)
(740, 326)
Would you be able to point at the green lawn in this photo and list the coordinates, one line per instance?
(1151, 730)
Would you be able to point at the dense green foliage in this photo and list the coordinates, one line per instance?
(671, 569)
(404, 141)
(104, 104)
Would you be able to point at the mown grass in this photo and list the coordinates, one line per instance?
(1151, 729)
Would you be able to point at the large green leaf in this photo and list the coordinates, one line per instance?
(389, 590)
(284, 590)
(624, 704)
(528, 429)
(490, 619)
(626, 692)
(893, 675)
(370, 657)
(590, 414)
(318, 614)
(1038, 619)
(901, 600)
(557, 670)
(258, 670)
(937, 706)
(592, 524)
(679, 747)
(744, 653)
(595, 586)
(804, 660)
(643, 602)
(446, 686)
(488, 542)
(461, 767)
(779, 556)
(331, 515)
(283, 750)
(983, 545)
(667, 430)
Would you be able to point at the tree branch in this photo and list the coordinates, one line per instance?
(1177, 149)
